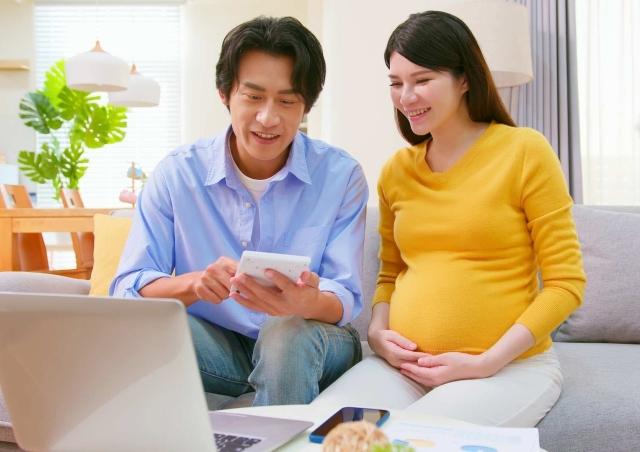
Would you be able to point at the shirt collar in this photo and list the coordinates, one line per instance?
(297, 162)
(221, 163)
(219, 166)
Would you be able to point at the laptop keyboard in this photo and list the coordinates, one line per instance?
(233, 443)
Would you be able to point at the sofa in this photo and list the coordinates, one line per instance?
(598, 346)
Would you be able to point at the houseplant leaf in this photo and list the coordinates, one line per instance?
(73, 164)
(54, 81)
(30, 167)
(97, 125)
(37, 112)
(72, 102)
(43, 166)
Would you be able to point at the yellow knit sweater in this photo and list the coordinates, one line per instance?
(461, 249)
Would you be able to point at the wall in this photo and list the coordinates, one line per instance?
(357, 114)
(206, 22)
(16, 23)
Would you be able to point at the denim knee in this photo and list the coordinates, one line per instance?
(286, 338)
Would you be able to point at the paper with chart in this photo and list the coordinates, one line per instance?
(424, 438)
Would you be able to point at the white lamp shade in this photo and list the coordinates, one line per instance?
(142, 92)
(502, 31)
(97, 70)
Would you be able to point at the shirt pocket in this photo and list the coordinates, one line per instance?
(308, 241)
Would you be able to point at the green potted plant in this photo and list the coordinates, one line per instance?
(71, 121)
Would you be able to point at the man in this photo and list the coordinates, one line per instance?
(263, 186)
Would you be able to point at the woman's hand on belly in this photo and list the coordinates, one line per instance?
(394, 348)
(435, 370)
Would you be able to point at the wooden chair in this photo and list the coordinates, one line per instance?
(30, 252)
(82, 241)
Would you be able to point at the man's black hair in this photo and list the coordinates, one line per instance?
(284, 36)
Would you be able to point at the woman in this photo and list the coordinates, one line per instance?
(469, 214)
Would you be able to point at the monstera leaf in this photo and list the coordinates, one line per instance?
(54, 81)
(31, 164)
(42, 166)
(97, 125)
(73, 165)
(72, 102)
(37, 112)
(63, 168)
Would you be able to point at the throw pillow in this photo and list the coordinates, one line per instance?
(110, 237)
(611, 251)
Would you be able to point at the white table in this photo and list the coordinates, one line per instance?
(317, 413)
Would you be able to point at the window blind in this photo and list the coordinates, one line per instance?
(147, 35)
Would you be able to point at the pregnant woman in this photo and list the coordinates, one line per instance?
(479, 255)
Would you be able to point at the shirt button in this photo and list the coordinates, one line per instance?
(247, 205)
(244, 243)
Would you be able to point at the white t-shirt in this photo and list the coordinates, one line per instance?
(256, 187)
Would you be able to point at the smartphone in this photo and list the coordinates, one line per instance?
(348, 414)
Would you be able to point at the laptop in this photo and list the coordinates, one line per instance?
(89, 374)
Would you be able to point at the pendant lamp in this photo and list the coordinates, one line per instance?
(97, 70)
(142, 92)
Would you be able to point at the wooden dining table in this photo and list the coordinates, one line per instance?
(17, 220)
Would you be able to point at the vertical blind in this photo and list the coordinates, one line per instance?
(147, 35)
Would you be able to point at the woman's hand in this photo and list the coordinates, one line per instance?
(393, 347)
(435, 370)
(388, 344)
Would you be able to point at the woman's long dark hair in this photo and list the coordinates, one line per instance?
(441, 42)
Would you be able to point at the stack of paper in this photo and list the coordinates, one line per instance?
(462, 438)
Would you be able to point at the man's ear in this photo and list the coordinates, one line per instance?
(223, 97)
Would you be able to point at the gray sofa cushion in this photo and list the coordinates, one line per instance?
(599, 409)
(611, 306)
(42, 283)
(370, 274)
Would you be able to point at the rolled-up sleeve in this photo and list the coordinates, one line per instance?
(341, 266)
(149, 252)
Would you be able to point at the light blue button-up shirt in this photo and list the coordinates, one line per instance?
(194, 209)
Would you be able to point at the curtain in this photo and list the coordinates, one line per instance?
(549, 103)
(608, 43)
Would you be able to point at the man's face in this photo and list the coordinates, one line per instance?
(265, 113)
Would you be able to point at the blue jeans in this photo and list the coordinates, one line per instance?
(292, 360)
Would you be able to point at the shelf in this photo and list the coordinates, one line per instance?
(14, 65)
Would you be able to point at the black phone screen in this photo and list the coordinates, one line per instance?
(349, 414)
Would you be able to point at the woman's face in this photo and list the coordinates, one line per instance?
(429, 99)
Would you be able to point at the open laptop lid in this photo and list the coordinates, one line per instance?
(87, 373)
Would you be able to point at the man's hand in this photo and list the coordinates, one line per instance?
(435, 370)
(393, 347)
(214, 283)
(287, 298)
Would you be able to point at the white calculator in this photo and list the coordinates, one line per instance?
(254, 263)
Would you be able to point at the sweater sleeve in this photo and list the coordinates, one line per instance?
(391, 263)
(547, 206)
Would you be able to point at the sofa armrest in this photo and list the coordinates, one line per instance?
(42, 283)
